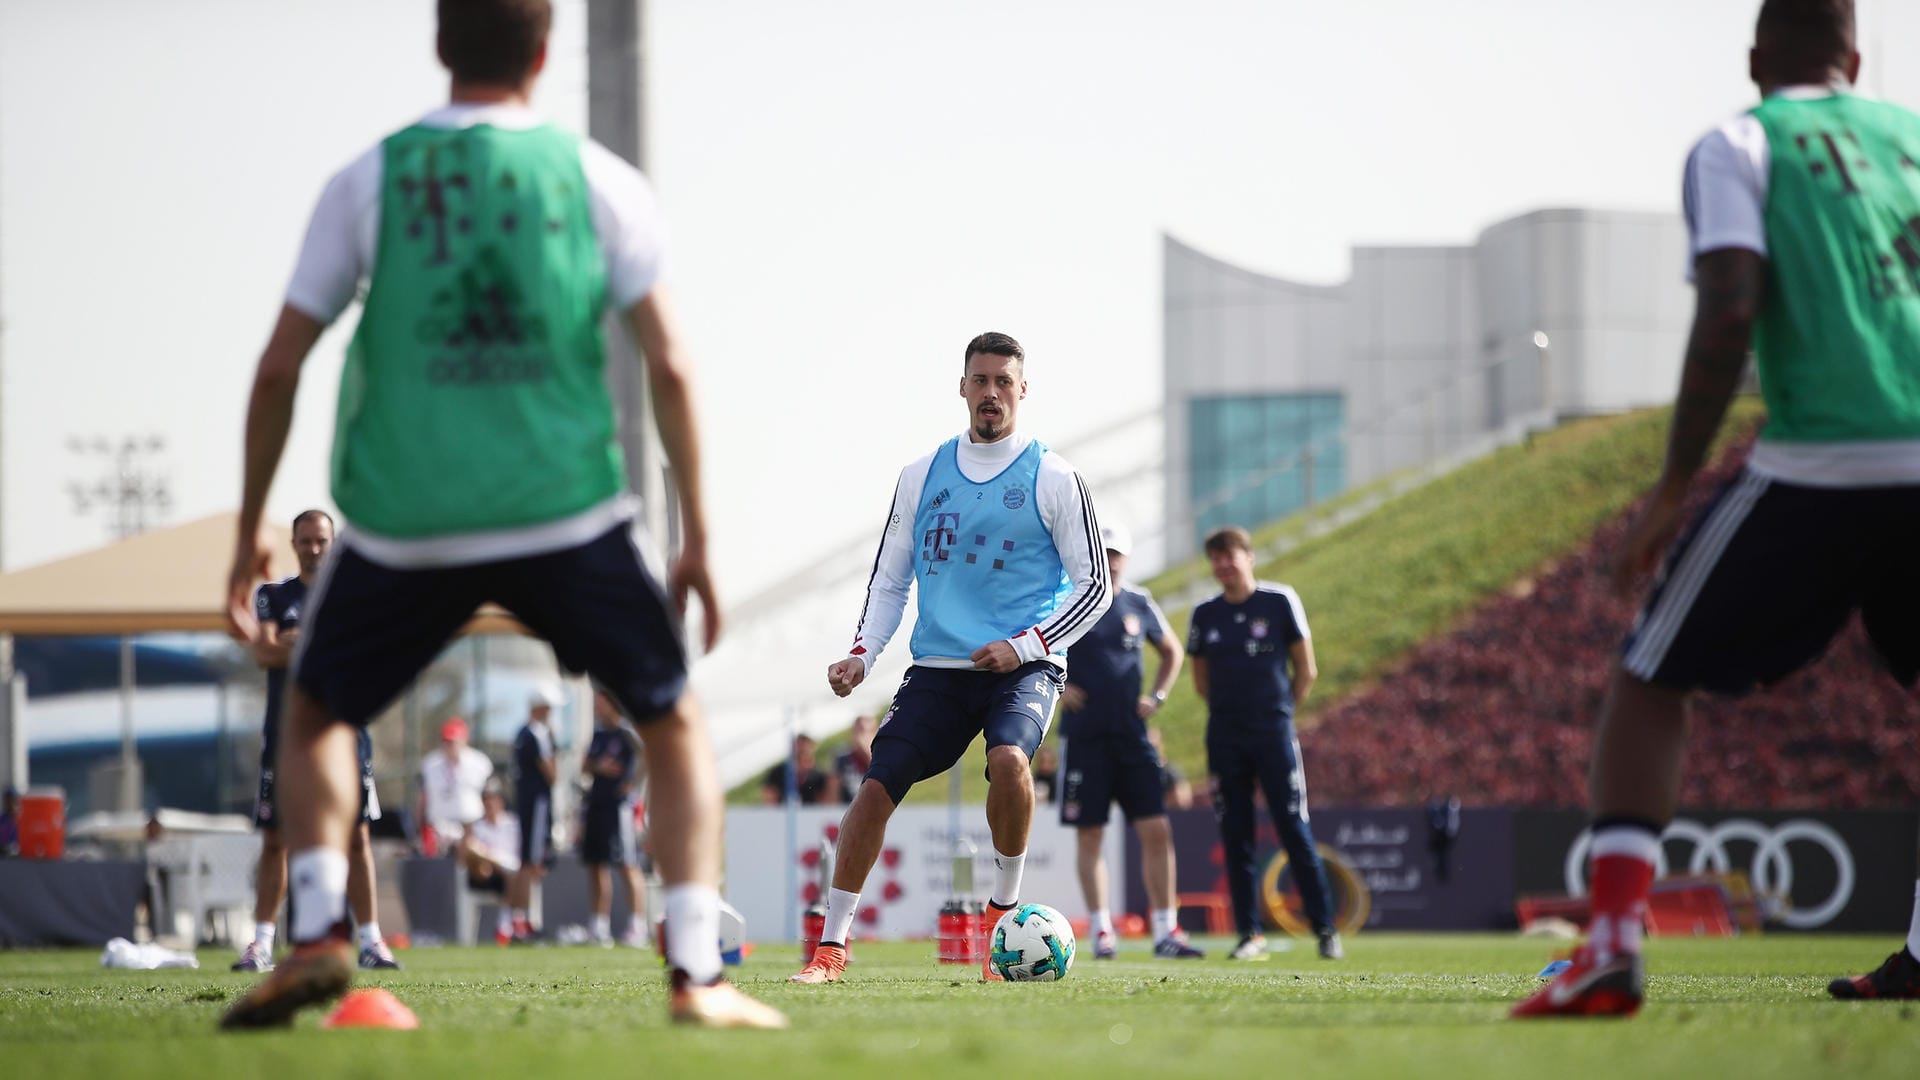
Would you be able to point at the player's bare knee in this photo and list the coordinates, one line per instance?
(1007, 764)
(271, 845)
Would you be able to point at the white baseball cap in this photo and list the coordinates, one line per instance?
(544, 693)
(1115, 538)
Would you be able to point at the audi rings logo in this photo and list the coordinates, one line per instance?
(1770, 868)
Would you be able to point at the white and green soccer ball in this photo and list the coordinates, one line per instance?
(1032, 943)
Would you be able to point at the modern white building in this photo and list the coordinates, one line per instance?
(1281, 394)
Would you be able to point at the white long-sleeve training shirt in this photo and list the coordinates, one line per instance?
(1065, 508)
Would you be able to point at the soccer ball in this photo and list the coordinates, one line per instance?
(1032, 943)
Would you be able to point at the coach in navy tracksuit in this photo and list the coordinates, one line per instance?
(1252, 662)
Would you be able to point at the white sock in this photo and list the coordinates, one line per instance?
(369, 935)
(505, 920)
(263, 935)
(519, 914)
(1007, 870)
(318, 879)
(841, 905)
(602, 927)
(1102, 920)
(693, 931)
(1913, 928)
(1165, 922)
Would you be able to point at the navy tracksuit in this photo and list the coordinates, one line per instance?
(1250, 741)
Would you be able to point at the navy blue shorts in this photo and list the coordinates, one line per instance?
(536, 830)
(1101, 772)
(1761, 581)
(370, 629)
(265, 816)
(606, 834)
(937, 712)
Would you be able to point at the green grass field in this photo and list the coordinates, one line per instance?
(1400, 1005)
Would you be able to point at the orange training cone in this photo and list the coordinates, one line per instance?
(372, 1008)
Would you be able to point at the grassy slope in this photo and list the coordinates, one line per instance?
(1421, 562)
(1399, 1006)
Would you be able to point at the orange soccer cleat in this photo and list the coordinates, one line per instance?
(828, 964)
(721, 1005)
(994, 911)
(315, 974)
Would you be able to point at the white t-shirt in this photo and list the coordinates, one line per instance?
(453, 788)
(1725, 198)
(498, 841)
(1065, 508)
(337, 258)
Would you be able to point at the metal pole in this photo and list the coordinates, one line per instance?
(616, 69)
(129, 770)
(789, 915)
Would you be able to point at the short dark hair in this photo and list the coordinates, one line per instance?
(993, 343)
(308, 515)
(1805, 32)
(493, 42)
(1229, 538)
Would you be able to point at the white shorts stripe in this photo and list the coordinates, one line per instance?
(1662, 623)
(542, 828)
(629, 851)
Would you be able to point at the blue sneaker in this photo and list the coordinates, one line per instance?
(1175, 947)
(378, 956)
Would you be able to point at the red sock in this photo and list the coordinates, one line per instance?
(1621, 874)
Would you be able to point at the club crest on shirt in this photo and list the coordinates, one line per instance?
(1258, 628)
(1131, 624)
(1013, 498)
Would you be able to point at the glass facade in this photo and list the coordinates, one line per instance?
(1256, 458)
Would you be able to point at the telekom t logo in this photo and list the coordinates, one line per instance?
(937, 540)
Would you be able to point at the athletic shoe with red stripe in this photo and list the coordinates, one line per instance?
(1899, 977)
(1591, 987)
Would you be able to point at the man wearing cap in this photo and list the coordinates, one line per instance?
(1109, 758)
(533, 775)
(451, 780)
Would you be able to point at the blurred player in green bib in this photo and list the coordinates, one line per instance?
(1804, 220)
(475, 460)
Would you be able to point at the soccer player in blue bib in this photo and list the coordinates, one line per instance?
(278, 604)
(999, 536)
(1252, 662)
(1109, 757)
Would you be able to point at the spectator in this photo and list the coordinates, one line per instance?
(451, 779)
(850, 767)
(490, 851)
(612, 766)
(811, 783)
(534, 771)
(9, 822)
(1046, 773)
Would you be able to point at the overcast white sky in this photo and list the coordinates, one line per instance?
(854, 188)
